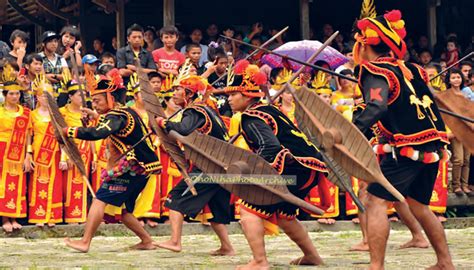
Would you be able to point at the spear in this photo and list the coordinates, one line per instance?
(335, 74)
(451, 66)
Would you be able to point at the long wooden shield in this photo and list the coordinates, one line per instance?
(339, 138)
(457, 103)
(154, 109)
(69, 146)
(214, 156)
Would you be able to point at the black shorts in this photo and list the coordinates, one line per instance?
(122, 190)
(306, 179)
(412, 179)
(217, 198)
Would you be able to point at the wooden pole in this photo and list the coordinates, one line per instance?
(120, 23)
(431, 10)
(168, 12)
(304, 19)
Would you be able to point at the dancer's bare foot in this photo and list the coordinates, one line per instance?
(419, 242)
(322, 220)
(151, 223)
(307, 260)
(78, 245)
(356, 220)
(441, 218)
(223, 252)
(393, 219)
(167, 221)
(40, 225)
(16, 225)
(254, 265)
(144, 246)
(51, 225)
(170, 245)
(361, 246)
(331, 221)
(142, 222)
(439, 266)
(7, 226)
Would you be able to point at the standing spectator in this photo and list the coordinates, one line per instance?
(150, 37)
(99, 47)
(126, 55)
(423, 44)
(18, 40)
(113, 44)
(212, 32)
(461, 155)
(466, 67)
(237, 53)
(425, 57)
(196, 37)
(278, 41)
(168, 59)
(193, 52)
(4, 49)
(70, 44)
(53, 63)
(452, 53)
(328, 30)
(33, 66)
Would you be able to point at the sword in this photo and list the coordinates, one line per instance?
(196, 180)
(451, 66)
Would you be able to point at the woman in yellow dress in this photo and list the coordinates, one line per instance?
(45, 186)
(74, 187)
(15, 152)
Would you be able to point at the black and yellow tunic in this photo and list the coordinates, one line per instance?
(124, 128)
(405, 115)
(273, 136)
(203, 119)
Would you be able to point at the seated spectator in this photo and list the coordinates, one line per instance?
(193, 52)
(109, 59)
(425, 57)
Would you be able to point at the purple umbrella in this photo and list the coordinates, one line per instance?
(302, 50)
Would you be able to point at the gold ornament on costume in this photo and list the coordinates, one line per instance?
(320, 83)
(230, 74)
(368, 9)
(41, 84)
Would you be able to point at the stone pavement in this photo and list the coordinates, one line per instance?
(112, 253)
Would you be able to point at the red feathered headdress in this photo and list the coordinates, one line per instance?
(248, 79)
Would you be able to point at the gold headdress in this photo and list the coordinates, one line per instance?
(438, 84)
(133, 85)
(368, 9)
(320, 83)
(67, 84)
(282, 78)
(9, 79)
(184, 72)
(41, 84)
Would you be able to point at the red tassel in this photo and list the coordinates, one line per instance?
(114, 75)
(404, 151)
(393, 16)
(240, 66)
(259, 78)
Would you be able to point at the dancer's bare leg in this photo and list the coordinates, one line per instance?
(7, 225)
(176, 221)
(15, 224)
(364, 244)
(254, 231)
(435, 232)
(95, 217)
(226, 248)
(377, 231)
(298, 234)
(418, 239)
(135, 226)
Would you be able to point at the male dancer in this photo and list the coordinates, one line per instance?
(124, 179)
(197, 116)
(410, 129)
(274, 137)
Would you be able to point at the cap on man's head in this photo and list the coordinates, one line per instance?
(89, 59)
(48, 35)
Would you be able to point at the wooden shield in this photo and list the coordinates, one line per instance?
(69, 146)
(153, 108)
(457, 103)
(214, 156)
(339, 138)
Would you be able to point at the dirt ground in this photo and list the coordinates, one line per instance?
(113, 253)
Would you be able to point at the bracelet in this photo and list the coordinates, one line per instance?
(94, 157)
(29, 149)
